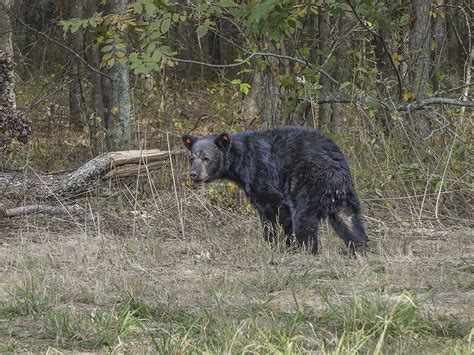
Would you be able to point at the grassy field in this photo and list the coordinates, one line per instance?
(137, 273)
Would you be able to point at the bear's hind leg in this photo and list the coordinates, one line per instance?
(348, 225)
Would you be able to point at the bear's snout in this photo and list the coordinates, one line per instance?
(194, 176)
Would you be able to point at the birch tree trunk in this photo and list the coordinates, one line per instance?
(6, 28)
(12, 122)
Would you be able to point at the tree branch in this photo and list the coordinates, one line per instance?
(343, 97)
(420, 104)
(39, 208)
(263, 54)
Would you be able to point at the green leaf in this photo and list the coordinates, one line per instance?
(138, 8)
(66, 25)
(245, 88)
(151, 48)
(156, 56)
(226, 3)
(291, 23)
(133, 57)
(261, 11)
(75, 25)
(276, 34)
(201, 31)
(150, 8)
(107, 48)
(345, 84)
(166, 50)
(93, 22)
(165, 24)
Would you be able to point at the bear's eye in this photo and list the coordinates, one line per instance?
(205, 159)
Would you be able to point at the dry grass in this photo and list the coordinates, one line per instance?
(123, 277)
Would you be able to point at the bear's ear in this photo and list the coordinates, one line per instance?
(188, 141)
(222, 141)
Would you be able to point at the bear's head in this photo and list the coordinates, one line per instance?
(207, 156)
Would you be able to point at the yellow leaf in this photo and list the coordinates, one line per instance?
(408, 95)
(114, 110)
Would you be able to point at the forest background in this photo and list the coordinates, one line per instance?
(389, 81)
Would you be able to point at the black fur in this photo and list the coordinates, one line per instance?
(293, 176)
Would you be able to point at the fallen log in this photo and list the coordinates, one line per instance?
(107, 165)
(54, 187)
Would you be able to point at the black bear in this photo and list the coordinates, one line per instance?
(293, 176)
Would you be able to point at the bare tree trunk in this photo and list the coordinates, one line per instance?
(388, 88)
(342, 71)
(251, 105)
(324, 41)
(454, 48)
(6, 46)
(6, 29)
(96, 122)
(214, 43)
(469, 66)
(271, 100)
(12, 122)
(264, 98)
(419, 64)
(77, 104)
(119, 110)
(440, 38)
(419, 46)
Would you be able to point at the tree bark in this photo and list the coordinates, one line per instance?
(419, 63)
(96, 122)
(6, 28)
(323, 43)
(271, 100)
(439, 36)
(13, 122)
(119, 109)
(77, 104)
(214, 42)
(264, 98)
(419, 48)
(251, 105)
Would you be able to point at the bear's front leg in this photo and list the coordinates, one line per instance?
(305, 229)
(269, 221)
